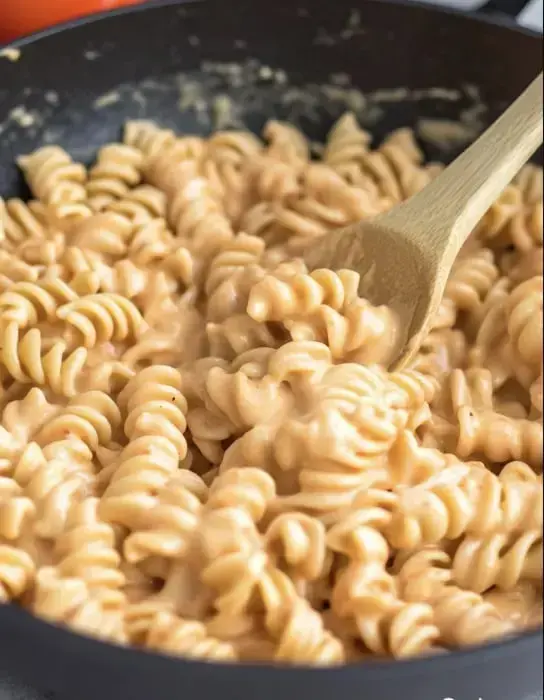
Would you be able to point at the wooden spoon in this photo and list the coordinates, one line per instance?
(405, 255)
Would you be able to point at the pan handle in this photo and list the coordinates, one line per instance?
(504, 8)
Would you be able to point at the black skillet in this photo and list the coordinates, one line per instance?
(306, 61)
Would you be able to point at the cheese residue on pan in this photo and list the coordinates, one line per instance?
(236, 94)
(109, 98)
(444, 133)
(22, 117)
(11, 54)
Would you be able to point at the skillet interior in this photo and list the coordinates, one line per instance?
(315, 59)
(307, 62)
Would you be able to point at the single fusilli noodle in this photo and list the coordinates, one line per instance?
(17, 571)
(28, 303)
(56, 180)
(27, 361)
(86, 551)
(101, 318)
(22, 221)
(68, 601)
(117, 170)
(462, 617)
(171, 522)
(367, 596)
(500, 560)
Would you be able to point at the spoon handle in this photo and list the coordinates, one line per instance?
(452, 204)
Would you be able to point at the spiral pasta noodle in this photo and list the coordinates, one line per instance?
(457, 500)
(203, 452)
(328, 203)
(27, 303)
(17, 511)
(103, 317)
(300, 541)
(17, 571)
(57, 181)
(158, 406)
(231, 260)
(21, 221)
(228, 155)
(507, 559)
(524, 322)
(347, 146)
(385, 623)
(25, 360)
(362, 333)
(172, 522)
(234, 557)
(470, 281)
(117, 170)
(13, 269)
(140, 205)
(54, 478)
(124, 277)
(186, 638)
(449, 509)
(501, 438)
(463, 617)
(155, 423)
(68, 601)
(277, 299)
(86, 551)
(147, 137)
(301, 635)
(234, 402)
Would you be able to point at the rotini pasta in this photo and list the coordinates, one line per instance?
(68, 601)
(171, 522)
(13, 269)
(56, 181)
(463, 617)
(17, 571)
(202, 450)
(22, 221)
(117, 170)
(26, 361)
(86, 551)
(28, 303)
(102, 318)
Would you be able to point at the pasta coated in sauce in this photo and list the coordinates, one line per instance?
(201, 451)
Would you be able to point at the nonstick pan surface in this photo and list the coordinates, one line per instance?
(197, 66)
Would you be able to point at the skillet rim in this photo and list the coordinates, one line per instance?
(481, 18)
(454, 660)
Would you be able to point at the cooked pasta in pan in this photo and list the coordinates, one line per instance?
(202, 451)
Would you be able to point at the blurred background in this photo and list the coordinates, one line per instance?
(20, 17)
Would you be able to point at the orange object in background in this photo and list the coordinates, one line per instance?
(18, 17)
